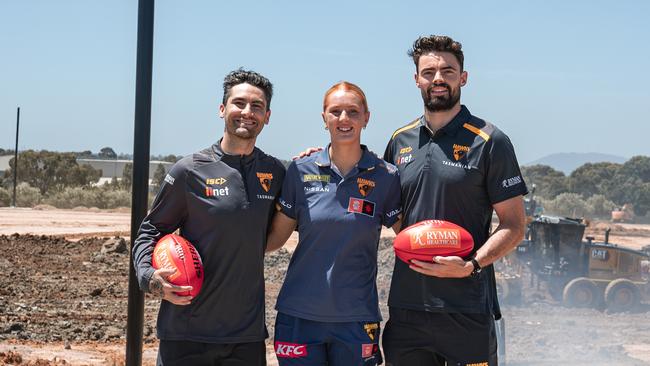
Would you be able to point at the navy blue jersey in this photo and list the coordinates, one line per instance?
(456, 174)
(223, 205)
(332, 273)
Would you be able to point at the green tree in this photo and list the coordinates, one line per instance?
(593, 178)
(127, 176)
(107, 153)
(637, 166)
(49, 171)
(158, 177)
(548, 181)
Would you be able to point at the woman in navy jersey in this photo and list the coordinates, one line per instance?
(338, 199)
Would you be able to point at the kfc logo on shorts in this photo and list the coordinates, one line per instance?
(290, 350)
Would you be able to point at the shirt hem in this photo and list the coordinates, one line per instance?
(223, 340)
(330, 319)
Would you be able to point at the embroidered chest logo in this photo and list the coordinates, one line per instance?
(265, 180)
(216, 191)
(460, 151)
(316, 178)
(361, 206)
(405, 150)
(365, 186)
(371, 330)
(403, 159)
(215, 181)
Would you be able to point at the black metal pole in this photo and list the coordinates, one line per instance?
(140, 181)
(16, 156)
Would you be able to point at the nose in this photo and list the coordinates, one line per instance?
(248, 109)
(437, 76)
(344, 116)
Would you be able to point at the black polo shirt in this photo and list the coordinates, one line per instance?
(223, 204)
(455, 174)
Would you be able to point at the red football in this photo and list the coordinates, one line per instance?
(173, 251)
(426, 239)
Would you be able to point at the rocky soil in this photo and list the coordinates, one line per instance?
(72, 295)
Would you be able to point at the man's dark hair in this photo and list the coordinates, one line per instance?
(241, 76)
(433, 43)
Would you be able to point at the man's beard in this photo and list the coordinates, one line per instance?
(441, 103)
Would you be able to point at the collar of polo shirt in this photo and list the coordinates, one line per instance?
(367, 160)
(453, 126)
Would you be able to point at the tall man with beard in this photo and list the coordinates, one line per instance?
(456, 167)
(222, 199)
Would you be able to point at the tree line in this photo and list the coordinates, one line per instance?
(57, 179)
(593, 188)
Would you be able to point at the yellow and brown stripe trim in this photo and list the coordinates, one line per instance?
(477, 131)
(411, 125)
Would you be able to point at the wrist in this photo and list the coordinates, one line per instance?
(475, 266)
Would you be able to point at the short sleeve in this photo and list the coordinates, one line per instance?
(504, 178)
(393, 203)
(288, 195)
(388, 154)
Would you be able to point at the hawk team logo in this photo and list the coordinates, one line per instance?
(371, 330)
(265, 180)
(365, 186)
(460, 151)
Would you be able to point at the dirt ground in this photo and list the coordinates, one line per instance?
(63, 298)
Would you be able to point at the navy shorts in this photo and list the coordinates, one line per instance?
(308, 343)
(419, 338)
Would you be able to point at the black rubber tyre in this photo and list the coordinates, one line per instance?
(622, 295)
(581, 292)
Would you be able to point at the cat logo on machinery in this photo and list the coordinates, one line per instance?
(265, 180)
(365, 186)
(460, 151)
(371, 330)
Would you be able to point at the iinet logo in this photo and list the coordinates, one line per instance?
(290, 350)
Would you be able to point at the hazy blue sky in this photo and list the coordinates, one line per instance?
(556, 76)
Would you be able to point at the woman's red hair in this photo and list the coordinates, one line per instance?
(346, 86)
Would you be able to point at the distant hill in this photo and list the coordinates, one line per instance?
(568, 162)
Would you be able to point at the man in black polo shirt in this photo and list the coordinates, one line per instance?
(222, 199)
(455, 167)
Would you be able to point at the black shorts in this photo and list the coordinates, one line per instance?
(414, 338)
(172, 353)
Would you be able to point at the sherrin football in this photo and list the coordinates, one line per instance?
(429, 238)
(174, 252)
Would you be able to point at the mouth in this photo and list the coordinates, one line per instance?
(439, 90)
(344, 129)
(246, 122)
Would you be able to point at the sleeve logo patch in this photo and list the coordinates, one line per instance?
(365, 186)
(507, 183)
(460, 151)
(265, 180)
(361, 206)
(169, 179)
(316, 178)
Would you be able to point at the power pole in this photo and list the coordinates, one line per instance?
(16, 156)
(140, 182)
